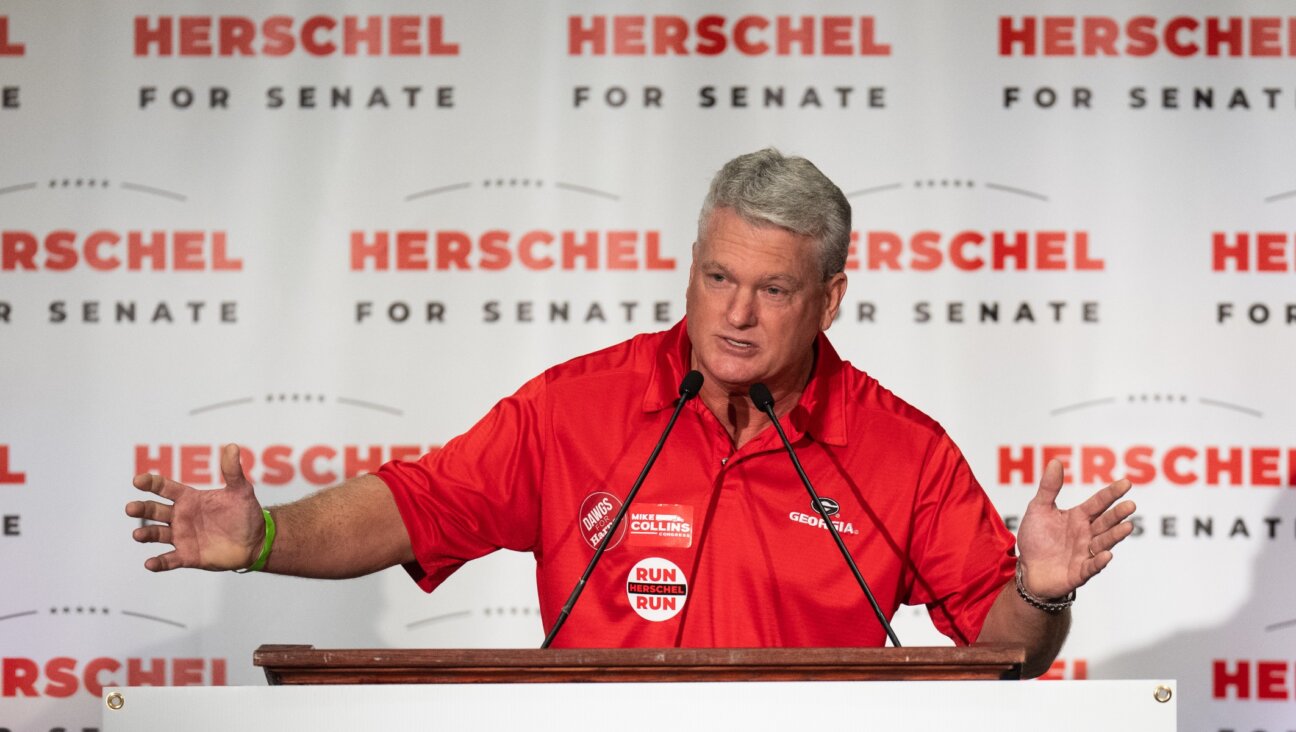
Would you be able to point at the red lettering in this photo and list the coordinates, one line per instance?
(1271, 680)
(1265, 37)
(235, 36)
(411, 250)
(1223, 252)
(1083, 261)
(195, 35)
(1050, 250)
(628, 35)
(1059, 36)
(1264, 466)
(147, 35)
(154, 250)
(1001, 250)
(1172, 31)
(96, 667)
(1228, 34)
(363, 250)
(1270, 252)
(958, 243)
(884, 249)
(669, 33)
(1011, 35)
(1097, 464)
(580, 35)
(452, 247)
(1222, 680)
(278, 36)
(19, 677)
(310, 473)
(60, 250)
(354, 464)
(837, 35)
(8, 475)
(1141, 30)
(369, 35)
(1140, 469)
(586, 250)
(869, 45)
(437, 45)
(137, 674)
(1008, 465)
(1215, 466)
(495, 251)
(93, 243)
(186, 671)
(17, 250)
(276, 465)
(1100, 36)
(787, 35)
(741, 32)
(146, 463)
(1170, 465)
(61, 677)
(404, 35)
(711, 37)
(310, 32)
(8, 47)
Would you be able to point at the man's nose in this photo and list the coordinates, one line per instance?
(742, 309)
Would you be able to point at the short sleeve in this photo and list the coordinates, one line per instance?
(962, 553)
(479, 492)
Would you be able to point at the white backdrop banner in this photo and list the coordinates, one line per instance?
(337, 232)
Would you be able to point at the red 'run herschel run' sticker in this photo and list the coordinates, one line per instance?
(660, 524)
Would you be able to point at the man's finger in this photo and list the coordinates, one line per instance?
(1117, 514)
(1094, 506)
(162, 562)
(151, 510)
(1097, 564)
(152, 534)
(156, 484)
(1050, 484)
(232, 468)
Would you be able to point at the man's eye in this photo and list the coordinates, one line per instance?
(775, 291)
(716, 277)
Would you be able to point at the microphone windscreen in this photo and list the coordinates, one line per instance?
(691, 384)
(761, 397)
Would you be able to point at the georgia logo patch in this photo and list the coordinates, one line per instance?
(656, 589)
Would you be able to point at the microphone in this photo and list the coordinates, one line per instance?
(688, 389)
(764, 401)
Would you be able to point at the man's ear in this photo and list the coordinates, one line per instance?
(835, 291)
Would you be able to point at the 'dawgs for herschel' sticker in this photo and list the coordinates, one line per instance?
(596, 514)
(656, 589)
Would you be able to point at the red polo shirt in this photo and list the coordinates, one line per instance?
(721, 546)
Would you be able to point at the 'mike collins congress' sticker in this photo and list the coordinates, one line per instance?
(660, 524)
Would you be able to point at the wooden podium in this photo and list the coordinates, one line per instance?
(754, 689)
(307, 665)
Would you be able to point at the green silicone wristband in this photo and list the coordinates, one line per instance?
(264, 557)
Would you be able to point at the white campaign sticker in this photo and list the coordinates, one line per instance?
(656, 589)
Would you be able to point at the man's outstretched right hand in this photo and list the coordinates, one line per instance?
(216, 530)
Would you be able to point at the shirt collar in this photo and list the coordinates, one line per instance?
(820, 413)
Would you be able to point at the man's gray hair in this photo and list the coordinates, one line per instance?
(767, 188)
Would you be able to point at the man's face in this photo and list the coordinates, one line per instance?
(756, 301)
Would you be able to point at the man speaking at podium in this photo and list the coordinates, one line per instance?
(722, 546)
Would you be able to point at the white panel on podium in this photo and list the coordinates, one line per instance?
(993, 706)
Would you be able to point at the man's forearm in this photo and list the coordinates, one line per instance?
(349, 530)
(1011, 620)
